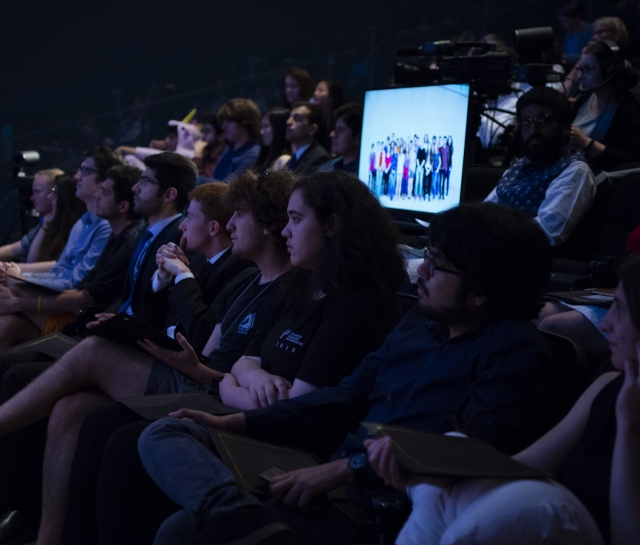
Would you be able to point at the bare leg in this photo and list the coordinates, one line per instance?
(16, 329)
(574, 325)
(95, 363)
(548, 310)
(62, 436)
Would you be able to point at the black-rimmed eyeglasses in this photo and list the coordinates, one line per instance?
(433, 268)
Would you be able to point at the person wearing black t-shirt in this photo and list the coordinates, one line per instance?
(339, 232)
(341, 317)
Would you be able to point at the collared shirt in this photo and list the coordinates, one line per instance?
(155, 230)
(567, 199)
(87, 240)
(493, 385)
(300, 152)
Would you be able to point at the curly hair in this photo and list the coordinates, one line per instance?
(243, 111)
(124, 178)
(364, 246)
(267, 196)
(504, 255)
(305, 82)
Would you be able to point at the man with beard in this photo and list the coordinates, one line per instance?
(552, 183)
(467, 359)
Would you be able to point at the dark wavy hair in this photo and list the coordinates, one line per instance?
(364, 247)
(68, 210)
(504, 255)
(104, 158)
(279, 145)
(124, 177)
(629, 275)
(174, 170)
(267, 196)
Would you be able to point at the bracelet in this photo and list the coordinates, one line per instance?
(39, 301)
(589, 145)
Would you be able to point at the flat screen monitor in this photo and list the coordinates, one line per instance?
(413, 147)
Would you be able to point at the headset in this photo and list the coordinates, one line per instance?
(613, 67)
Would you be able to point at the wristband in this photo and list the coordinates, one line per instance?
(589, 145)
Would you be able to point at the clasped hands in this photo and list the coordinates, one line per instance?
(171, 260)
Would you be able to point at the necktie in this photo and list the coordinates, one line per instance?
(134, 267)
(293, 162)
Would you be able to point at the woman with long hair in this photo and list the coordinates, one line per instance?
(274, 151)
(607, 122)
(67, 209)
(593, 451)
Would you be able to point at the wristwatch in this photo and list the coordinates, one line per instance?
(357, 464)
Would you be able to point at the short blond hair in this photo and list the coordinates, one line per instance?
(50, 174)
(616, 25)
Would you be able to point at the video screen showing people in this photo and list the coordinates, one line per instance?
(412, 148)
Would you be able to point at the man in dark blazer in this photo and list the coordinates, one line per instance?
(305, 127)
(203, 230)
(160, 196)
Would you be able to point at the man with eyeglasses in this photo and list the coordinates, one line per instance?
(467, 359)
(552, 183)
(88, 236)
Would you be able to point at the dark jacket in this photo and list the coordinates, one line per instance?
(622, 140)
(147, 313)
(314, 156)
(191, 299)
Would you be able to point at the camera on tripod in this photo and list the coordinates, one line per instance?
(492, 71)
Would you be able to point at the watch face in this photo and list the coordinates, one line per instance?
(356, 462)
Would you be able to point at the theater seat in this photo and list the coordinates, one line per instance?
(479, 180)
(573, 374)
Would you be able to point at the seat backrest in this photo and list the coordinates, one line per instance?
(580, 244)
(572, 370)
(479, 181)
(621, 216)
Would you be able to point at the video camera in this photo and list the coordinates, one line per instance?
(492, 71)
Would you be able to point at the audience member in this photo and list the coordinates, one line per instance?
(182, 140)
(72, 390)
(612, 29)
(66, 211)
(552, 183)
(41, 187)
(305, 128)
(598, 439)
(174, 175)
(298, 86)
(328, 96)
(448, 365)
(345, 139)
(607, 122)
(27, 316)
(240, 121)
(203, 230)
(334, 320)
(274, 151)
(579, 32)
(87, 238)
(210, 148)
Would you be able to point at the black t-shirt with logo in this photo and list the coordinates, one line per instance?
(243, 306)
(322, 341)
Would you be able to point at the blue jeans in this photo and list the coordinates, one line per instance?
(177, 455)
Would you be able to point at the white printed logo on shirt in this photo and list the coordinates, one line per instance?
(247, 323)
(289, 337)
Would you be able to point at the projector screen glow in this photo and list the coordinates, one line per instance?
(413, 142)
